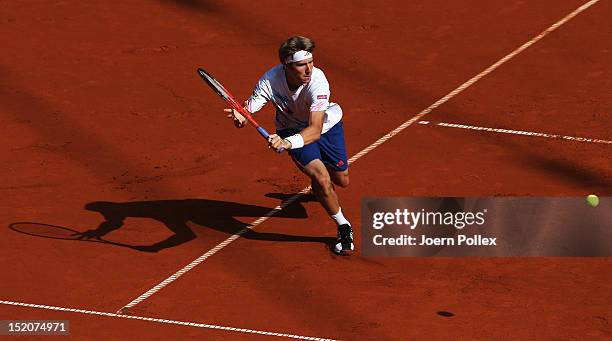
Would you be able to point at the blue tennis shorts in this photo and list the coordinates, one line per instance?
(330, 149)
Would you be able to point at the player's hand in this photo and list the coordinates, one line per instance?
(239, 120)
(277, 144)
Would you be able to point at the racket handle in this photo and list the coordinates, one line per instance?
(263, 132)
(265, 135)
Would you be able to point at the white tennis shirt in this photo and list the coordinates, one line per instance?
(293, 107)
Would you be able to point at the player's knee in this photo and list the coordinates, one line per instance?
(343, 182)
(341, 179)
(323, 183)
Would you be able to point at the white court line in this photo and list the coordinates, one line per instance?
(517, 132)
(158, 320)
(361, 153)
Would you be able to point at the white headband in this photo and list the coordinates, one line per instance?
(298, 57)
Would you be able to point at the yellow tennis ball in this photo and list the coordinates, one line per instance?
(592, 200)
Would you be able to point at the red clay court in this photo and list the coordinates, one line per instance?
(102, 113)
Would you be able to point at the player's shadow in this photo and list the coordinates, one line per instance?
(176, 214)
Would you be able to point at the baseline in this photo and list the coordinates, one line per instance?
(158, 320)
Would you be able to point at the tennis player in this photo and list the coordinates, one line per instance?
(308, 126)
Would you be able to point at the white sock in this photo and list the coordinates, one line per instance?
(339, 218)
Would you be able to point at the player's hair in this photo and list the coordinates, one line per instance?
(293, 45)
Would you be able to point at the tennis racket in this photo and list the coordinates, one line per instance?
(229, 99)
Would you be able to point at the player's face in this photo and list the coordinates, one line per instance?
(300, 72)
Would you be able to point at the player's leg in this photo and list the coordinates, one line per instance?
(323, 189)
(314, 160)
(333, 154)
(339, 178)
(322, 186)
(310, 161)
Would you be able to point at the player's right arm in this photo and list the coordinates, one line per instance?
(239, 120)
(258, 99)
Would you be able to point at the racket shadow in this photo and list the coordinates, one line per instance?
(43, 230)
